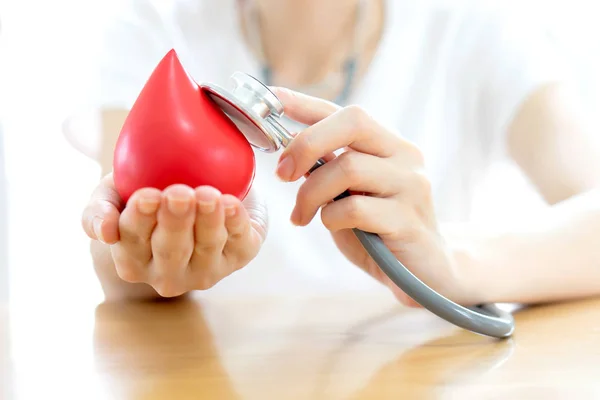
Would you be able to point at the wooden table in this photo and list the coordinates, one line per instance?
(343, 347)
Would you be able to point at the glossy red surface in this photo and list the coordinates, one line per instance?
(174, 134)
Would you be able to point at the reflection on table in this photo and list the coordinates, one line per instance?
(343, 347)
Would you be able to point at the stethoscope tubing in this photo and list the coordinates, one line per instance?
(486, 319)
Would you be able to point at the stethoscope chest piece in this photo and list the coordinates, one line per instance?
(253, 108)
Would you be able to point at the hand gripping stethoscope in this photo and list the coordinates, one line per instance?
(255, 110)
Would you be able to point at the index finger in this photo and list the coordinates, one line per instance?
(302, 108)
(350, 127)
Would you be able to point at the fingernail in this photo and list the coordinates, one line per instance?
(206, 207)
(148, 205)
(285, 168)
(97, 224)
(178, 206)
(230, 206)
(230, 210)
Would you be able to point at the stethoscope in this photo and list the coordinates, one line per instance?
(256, 110)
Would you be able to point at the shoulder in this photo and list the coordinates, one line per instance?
(482, 58)
(197, 29)
(184, 16)
(154, 14)
(143, 31)
(469, 23)
(463, 33)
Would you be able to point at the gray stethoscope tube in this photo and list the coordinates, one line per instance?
(255, 110)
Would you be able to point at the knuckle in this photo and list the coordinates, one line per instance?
(422, 184)
(220, 239)
(350, 166)
(131, 240)
(235, 230)
(358, 116)
(351, 213)
(304, 144)
(128, 273)
(207, 247)
(238, 234)
(167, 255)
(415, 153)
(214, 242)
(166, 288)
(134, 230)
(355, 209)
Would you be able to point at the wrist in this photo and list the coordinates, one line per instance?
(480, 260)
(471, 289)
(471, 274)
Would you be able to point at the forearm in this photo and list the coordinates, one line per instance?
(552, 258)
(114, 288)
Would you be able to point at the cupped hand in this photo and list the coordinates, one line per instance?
(177, 240)
(391, 194)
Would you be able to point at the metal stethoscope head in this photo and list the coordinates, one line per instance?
(255, 110)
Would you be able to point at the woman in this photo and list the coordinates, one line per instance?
(424, 96)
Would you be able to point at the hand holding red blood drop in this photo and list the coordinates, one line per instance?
(171, 212)
(175, 134)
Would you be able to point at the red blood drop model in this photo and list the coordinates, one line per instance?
(175, 134)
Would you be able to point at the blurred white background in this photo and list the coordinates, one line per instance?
(45, 67)
(45, 63)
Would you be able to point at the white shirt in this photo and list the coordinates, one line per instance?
(447, 75)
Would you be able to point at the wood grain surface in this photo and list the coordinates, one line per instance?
(344, 347)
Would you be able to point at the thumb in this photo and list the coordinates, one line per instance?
(100, 218)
